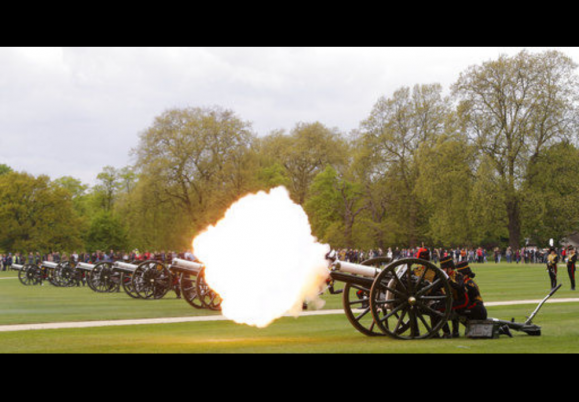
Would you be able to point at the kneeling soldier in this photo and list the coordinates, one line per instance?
(458, 294)
(474, 308)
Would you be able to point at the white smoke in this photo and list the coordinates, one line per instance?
(262, 259)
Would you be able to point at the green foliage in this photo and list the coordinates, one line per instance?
(106, 233)
(551, 208)
(492, 165)
(5, 169)
(36, 215)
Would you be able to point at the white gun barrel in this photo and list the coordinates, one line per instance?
(358, 269)
(49, 264)
(17, 267)
(85, 266)
(195, 266)
(125, 266)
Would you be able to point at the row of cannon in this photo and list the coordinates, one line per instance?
(408, 298)
(147, 280)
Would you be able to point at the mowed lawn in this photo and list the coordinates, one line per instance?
(330, 333)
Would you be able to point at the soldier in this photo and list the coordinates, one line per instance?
(474, 308)
(552, 260)
(458, 294)
(571, 261)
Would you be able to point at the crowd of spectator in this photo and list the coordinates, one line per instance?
(526, 255)
(6, 260)
(472, 255)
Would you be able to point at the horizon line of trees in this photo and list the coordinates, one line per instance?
(494, 163)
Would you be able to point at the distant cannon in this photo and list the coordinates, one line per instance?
(28, 274)
(152, 280)
(193, 286)
(85, 270)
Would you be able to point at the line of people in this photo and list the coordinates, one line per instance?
(8, 259)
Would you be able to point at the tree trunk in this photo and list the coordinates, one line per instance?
(514, 223)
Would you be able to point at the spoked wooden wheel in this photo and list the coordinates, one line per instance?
(356, 301)
(188, 285)
(103, 277)
(411, 299)
(152, 279)
(126, 280)
(207, 296)
(65, 274)
(30, 275)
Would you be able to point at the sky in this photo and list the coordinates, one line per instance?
(73, 111)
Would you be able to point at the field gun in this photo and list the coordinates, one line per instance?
(86, 270)
(409, 298)
(27, 274)
(193, 286)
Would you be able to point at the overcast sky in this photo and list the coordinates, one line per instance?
(72, 111)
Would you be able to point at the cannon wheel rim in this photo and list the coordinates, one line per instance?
(107, 285)
(188, 287)
(366, 327)
(149, 271)
(127, 285)
(28, 276)
(65, 274)
(209, 298)
(411, 300)
(89, 280)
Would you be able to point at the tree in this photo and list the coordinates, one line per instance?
(551, 194)
(107, 187)
(511, 109)
(304, 153)
(5, 169)
(106, 232)
(36, 215)
(198, 158)
(333, 205)
(389, 139)
(445, 180)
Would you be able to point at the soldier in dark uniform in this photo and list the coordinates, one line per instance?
(571, 261)
(552, 260)
(458, 293)
(474, 308)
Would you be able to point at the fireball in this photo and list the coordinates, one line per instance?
(262, 259)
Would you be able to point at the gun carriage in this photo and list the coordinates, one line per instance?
(408, 298)
(28, 274)
(85, 270)
(193, 286)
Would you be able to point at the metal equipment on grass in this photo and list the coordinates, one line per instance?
(409, 298)
(193, 286)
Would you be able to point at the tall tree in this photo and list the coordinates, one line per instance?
(36, 214)
(197, 156)
(304, 153)
(512, 108)
(444, 186)
(333, 205)
(391, 136)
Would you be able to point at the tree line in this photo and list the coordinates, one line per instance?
(493, 161)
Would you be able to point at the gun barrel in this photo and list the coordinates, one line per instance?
(49, 264)
(358, 269)
(186, 264)
(17, 267)
(85, 266)
(126, 267)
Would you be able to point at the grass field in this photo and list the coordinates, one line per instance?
(330, 333)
